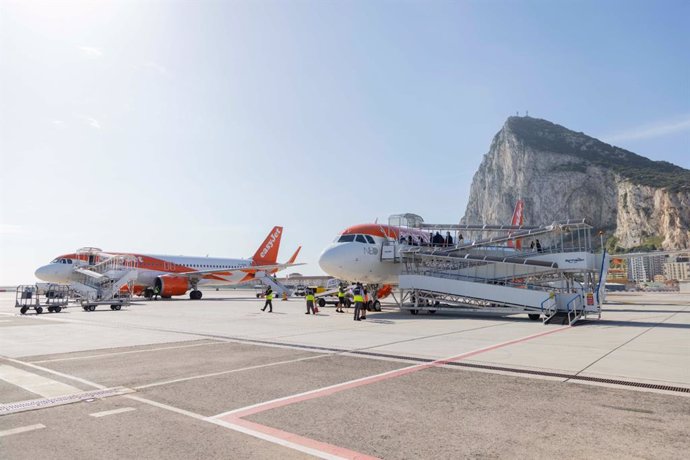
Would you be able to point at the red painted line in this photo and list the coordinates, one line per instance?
(301, 440)
(327, 391)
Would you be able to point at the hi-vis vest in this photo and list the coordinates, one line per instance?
(310, 297)
(341, 294)
(269, 295)
(358, 295)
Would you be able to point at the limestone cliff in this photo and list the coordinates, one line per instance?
(562, 174)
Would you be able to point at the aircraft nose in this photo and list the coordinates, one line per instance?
(332, 259)
(43, 273)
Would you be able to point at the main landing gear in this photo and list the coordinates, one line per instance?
(195, 294)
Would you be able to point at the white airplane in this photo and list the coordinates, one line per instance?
(354, 255)
(173, 275)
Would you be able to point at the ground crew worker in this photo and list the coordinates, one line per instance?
(341, 299)
(365, 305)
(156, 291)
(358, 292)
(310, 301)
(269, 298)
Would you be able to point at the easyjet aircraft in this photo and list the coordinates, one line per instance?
(175, 275)
(354, 255)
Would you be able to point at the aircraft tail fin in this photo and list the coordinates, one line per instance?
(517, 220)
(267, 253)
(294, 256)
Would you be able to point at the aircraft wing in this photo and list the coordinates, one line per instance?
(230, 271)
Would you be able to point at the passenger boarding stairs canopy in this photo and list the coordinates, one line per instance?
(561, 276)
(103, 275)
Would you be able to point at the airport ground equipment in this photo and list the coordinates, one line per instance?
(491, 272)
(278, 287)
(51, 297)
(106, 280)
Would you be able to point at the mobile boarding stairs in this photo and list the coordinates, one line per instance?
(561, 281)
(101, 280)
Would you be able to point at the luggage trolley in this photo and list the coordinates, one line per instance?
(27, 297)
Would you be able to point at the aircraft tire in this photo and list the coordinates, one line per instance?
(39, 310)
(23, 310)
(199, 295)
(533, 316)
(377, 305)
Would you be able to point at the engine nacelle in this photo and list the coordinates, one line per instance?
(170, 285)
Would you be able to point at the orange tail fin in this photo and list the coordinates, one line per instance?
(267, 253)
(518, 219)
(294, 256)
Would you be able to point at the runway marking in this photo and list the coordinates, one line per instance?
(166, 407)
(35, 383)
(21, 429)
(105, 413)
(329, 390)
(293, 441)
(214, 374)
(50, 371)
(128, 352)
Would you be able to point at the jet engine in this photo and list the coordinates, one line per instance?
(170, 285)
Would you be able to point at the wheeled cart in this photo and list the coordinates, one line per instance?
(52, 297)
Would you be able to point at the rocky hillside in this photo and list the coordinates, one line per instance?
(637, 202)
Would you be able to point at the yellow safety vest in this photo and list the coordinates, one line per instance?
(269, 296)
(310, 297)
(359, 298)
(341, 294)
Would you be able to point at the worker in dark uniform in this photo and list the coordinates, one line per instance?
(269, 299)
(310, 302)
(341, 299)
(358, 292)
(156, 292)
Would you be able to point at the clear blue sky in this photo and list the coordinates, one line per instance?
(193, 127)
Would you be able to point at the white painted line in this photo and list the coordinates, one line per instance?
(21, 429)
(105, 413)
(35, 383)
(231, 371)
(5, 320)
(50, 371)
(104, 355)
(167, 407)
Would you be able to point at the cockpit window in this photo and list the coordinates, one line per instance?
(346, 238)
(369, 239)
(55, 261)
(360, 239)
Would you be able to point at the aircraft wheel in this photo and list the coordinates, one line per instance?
(199, 295)
(322, 302)
(92, 308)
(534, 316)
(39, 310)
(23, 310)
(148, 293)
(377, 305)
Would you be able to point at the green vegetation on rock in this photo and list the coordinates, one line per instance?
(549, 137)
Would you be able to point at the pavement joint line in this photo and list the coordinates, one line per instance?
(230, 371)
(22, 429)
(331, 389)
(219, 342)
(610, 352)
(105, 413)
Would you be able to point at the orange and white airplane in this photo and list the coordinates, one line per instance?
(174, 275)
(354, 255)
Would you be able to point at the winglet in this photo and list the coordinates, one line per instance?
(267, 253)
(294, 256)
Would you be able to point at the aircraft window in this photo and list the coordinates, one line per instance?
(54, 261)
(360, 239)
(369, 239)
(346, 238)
(69, 261)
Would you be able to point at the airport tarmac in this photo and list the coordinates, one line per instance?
(218, 378)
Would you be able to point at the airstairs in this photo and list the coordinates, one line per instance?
(101, 279)
(558, 282)
(278, 287)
